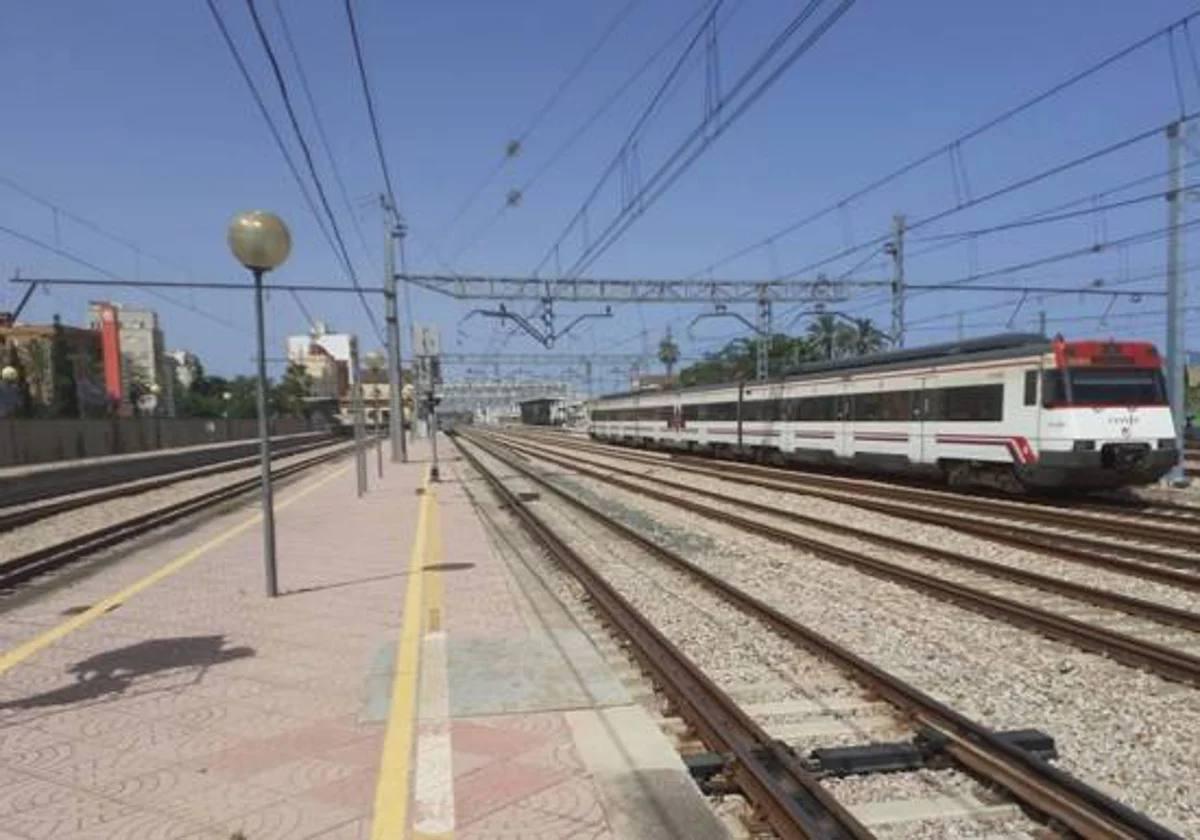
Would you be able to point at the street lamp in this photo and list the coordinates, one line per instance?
(375, 363)
(155, 389)
(261, 242)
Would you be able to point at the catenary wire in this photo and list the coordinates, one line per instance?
(312, 169)
(366, 89)
(641, 202)
(322, 136)
(539, 116)
(945, 148)
(85, 263)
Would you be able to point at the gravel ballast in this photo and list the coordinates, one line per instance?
(1144, 750)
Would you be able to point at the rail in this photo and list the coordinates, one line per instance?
(1032, 781)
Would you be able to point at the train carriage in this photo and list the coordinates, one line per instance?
(1011, 411)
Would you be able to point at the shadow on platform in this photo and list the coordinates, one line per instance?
(436, 567)
(113, 672)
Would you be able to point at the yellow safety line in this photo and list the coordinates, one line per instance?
(392, 790)
(22, 652)
(435, 618)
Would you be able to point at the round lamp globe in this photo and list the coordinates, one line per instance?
(260, 240)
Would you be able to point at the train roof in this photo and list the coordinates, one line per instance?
(1002, 346)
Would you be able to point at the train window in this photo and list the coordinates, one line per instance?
(896, 405)
(974, 402)
(820, 408)
(1101, 386)
(1031, 383)
(765, 411)
(867, 407)
(1053, 391)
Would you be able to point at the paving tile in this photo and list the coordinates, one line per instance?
(498, 738)
(20, 793)
(86, 817)
(363, 753)
(358, 829)
(289, 819)
(521, 822)
(189, 795)
(356, 791)
(303, 774)
(90, 721)
(499, 784)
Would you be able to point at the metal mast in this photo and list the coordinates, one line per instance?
(1176, 388)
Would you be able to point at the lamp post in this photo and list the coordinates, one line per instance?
(261, 242)
(375, 364)
(9, 375)
(155, 390)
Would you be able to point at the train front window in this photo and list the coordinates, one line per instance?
(1106, 387)
(1100, 386)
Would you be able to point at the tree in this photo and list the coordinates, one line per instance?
(864, 337)
(738, 360)
(66, 389)
(823, 333)
(668, 353)
(835, 340)
(288, 397)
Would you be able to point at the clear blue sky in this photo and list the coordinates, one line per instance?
(132, 114)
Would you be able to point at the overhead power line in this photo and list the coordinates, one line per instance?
(88, 264)
(516, 145)
(366, 89)
(1010, 187)
(725, 110)
(952, 146)
(270, 121)
(641, 120)
(580, 131)
(320, 126)
(312, 169)
(59, 211)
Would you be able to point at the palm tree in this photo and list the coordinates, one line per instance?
(823, 333)
(866, 338)
(668, 352)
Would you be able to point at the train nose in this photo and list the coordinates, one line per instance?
(1124, 456)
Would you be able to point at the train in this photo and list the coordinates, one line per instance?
(1018, 412)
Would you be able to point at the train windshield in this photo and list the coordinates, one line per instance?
(1105, 387)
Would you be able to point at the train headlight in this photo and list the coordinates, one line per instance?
(1166, 443)
(1084, 445)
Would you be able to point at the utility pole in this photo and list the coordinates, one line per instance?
(1042, 322)
(896, 249)
(393, 229)
(763, 362)
(1176, 388)
(360, 455)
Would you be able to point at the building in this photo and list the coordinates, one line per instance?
(187, 367)
(59, 369)
(320, 342)
(135, 356)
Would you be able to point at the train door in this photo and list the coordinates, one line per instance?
(918, 449)
(843, 423)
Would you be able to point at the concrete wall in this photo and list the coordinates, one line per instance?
(39, 441)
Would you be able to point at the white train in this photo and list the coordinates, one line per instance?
(1011, 411)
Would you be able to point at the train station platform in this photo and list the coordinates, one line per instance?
(413, 680)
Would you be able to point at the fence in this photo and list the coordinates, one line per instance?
(39, 441)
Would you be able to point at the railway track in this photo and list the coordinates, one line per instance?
(1176, 548)
(24, 567)
(16, 516)
(1168, 662)
(761, 767)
